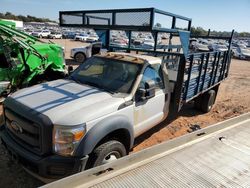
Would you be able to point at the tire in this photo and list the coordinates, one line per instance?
(106, 152)
(206, 101)
(197, 102)
(40, 36)
(79, 57)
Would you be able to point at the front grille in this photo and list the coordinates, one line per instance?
(23, 131)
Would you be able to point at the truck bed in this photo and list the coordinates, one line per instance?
(217, 156)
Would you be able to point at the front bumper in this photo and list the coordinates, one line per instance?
(45, 168)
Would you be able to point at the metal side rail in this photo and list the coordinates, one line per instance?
(216, 156)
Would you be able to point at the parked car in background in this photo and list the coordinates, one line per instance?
(118, 42)
(41, 33)
(92, 38)
(199, 47)
(69, 35)
(242, 53)
(149, 43)
(28, 31)
(137, 41)
(80, 54)
(248, 44)
(218, 47)
(55, 35)
(192, 42)
(81, 37)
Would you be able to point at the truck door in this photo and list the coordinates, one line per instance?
(149, 112)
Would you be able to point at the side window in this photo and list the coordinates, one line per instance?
(153, 73)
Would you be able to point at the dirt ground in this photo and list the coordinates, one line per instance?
(233, 99)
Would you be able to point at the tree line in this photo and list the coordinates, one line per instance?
(28, 18)
(201, 31)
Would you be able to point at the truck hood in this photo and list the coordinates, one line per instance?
(68, 103)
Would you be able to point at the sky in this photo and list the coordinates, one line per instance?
(220, 15)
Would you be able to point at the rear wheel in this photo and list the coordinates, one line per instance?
(206, 101)
(80, 57)
(197, 102)
(107, 152)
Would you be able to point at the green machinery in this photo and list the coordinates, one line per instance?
(25, 60)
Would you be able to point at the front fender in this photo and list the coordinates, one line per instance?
(101, 130)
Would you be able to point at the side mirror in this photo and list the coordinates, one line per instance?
(70, 69)
(148, 92)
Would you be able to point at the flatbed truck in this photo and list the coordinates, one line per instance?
(91, 118)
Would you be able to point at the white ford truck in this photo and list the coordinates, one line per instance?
(59, 128)
(67, 125)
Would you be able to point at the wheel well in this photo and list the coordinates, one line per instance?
(80, 53)
(121, 135)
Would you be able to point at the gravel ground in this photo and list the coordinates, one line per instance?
(233, 99)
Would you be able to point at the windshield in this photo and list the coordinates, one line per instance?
(111, 75)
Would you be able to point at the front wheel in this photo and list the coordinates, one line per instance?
(106, 152)
(80, 57)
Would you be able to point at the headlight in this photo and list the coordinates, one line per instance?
(65, 141)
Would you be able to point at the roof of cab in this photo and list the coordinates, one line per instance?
(133, 58)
